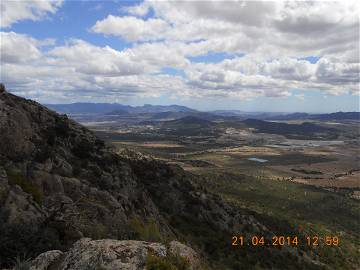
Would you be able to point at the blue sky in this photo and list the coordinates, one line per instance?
(250, 57)
(73, 20)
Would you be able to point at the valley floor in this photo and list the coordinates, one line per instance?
(297, 187)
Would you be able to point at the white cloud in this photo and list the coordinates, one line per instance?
(269, 29)
(13, 11)
(80, 69)
(267, 42)
(18, 48)
(132, 28)
(339, 74)
(89, 59)
(137, 10)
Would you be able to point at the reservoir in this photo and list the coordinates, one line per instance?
(257, 159)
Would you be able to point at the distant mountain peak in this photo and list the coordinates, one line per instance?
(107, 108)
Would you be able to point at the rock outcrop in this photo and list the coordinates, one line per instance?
(178, 249)
(87, 254)
(46, 260)
(2, 88)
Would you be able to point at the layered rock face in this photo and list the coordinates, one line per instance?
(63, 166)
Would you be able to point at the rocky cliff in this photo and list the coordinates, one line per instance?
(59, 183)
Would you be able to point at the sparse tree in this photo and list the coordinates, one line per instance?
(2, 88)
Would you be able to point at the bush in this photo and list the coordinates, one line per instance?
(83, 149)
(50, 135)
(15, 239)
(21, 263)
(62, 126)
(2, 87)
(169, 262)
(15, 178)
(158, 263)
(43, 154)
(120, 230)
(148, 231)
(96, 231)
(179, 262)
(99, 143)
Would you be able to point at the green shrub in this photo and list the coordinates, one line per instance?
(50, 135)
(99, 143)
(148, 231)
(180, 262)
(169, 262)
(97, 231)
(62, 126)
(158, 263)
(21, 263)
(14, 240)
(43, 154)
(120, 230)
(32, 239)
(83, 149)
(15, 178)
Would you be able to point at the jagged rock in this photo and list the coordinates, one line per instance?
(88, 254)
(71, 186)
(15, 130)
(179, 249)
(49, 183)
(4, 185)
(62, 167)
(21, 208)
(3, 176)
(44, 260)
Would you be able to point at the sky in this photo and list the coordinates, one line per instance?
(278, 56)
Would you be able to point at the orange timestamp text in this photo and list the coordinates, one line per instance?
(257, 240)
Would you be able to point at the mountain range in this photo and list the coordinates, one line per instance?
(170, 112)
(114, 108)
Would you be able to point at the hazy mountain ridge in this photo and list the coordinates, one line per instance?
(171, 112)
(303, 130)
(325, 116)
(111, 108)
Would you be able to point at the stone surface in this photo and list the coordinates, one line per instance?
(3, 176)
(21, 208)
(49, 183)
(87, 254)
(44, 260)
(186, 252)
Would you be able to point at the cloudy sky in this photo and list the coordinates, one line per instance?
(246, 55)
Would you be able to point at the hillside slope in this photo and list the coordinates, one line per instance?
(60, 183)
(294, 131)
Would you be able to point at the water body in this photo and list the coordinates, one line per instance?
(258, 159)
(304, 143)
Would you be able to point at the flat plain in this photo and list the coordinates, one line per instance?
(308, 186)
